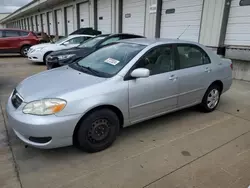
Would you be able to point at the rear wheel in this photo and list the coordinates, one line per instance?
(24, 50)
(98, 130)
(211, 98)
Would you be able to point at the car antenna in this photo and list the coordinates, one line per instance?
(183, 32)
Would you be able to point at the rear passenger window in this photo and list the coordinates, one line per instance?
(191, 56)
(1, 34)
(11, 33)
(24, 33)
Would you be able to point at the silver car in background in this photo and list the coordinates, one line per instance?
(131, 81)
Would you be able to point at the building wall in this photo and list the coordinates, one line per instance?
(3, 15)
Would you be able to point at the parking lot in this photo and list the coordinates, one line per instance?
(183, 149)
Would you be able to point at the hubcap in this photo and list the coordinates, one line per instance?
(99, 131)
(213, 98)
(25, 51)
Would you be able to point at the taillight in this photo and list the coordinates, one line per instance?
(231, 66)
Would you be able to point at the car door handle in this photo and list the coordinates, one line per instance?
(208, 69)
(173, 77)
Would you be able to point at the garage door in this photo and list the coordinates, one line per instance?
(69, 19)
(45, 23)
(179, 16)
(51, 24)
(104, 16)
(84, 15)
(39, 23)
(238, 27)
(59, 19)
(133, 20)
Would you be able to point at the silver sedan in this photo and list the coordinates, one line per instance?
(87, 102)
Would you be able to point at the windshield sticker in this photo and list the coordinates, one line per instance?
(112, 61)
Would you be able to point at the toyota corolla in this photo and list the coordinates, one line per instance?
(87, 102)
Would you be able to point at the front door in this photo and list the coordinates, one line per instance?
(195, 74)
(157, 94)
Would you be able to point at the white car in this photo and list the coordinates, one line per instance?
(38, 53)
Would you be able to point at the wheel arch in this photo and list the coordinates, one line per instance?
(113, 108)
(218, 83)
(46, 55)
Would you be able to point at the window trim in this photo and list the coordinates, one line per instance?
(191, 45)
(128, 77)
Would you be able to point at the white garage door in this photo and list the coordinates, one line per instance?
(84, 15)
(45, 23)
(69, 20)
(238, 27)
(51, 24)
(133, 20)
(59, 21)
(104, 16)
(39, 23)
(181, 15)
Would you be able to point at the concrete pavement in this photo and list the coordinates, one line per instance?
(183, 149)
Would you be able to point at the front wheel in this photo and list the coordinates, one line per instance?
(24, 50)
(98, 130)
(211, 98)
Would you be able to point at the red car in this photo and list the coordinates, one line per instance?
(16, 41)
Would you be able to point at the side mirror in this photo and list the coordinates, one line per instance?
(140, 73)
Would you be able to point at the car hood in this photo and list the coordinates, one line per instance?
(55, 82)
(43, 45)
(78, 51)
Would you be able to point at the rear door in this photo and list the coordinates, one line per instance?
(11, 40)
(194, 74)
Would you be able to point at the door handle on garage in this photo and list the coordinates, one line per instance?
(208, 70)
(173, 77)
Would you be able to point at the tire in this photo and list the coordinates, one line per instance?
(211, 98)
(24, 50)
(98, 131)
(45, 56)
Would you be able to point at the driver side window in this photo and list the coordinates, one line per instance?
(158, 60)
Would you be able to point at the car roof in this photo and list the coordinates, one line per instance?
(14, 29)
(80, 35)
(147, 41)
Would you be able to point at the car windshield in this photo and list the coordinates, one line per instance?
(61, 40)
(109, 60)
(90, 42)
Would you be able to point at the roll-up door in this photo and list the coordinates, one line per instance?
(133, 20)
(179, 16)
(45, 23)
(104, 16)
(84, 15)
(59, 21)
(238, 27)
(39, 23)
(69, 19)
(51, 24)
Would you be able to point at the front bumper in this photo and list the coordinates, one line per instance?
(35, 56)
(26, 126)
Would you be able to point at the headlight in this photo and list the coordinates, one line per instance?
(61, 57)
(44, 107)
(38, 49)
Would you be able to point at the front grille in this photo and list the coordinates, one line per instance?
(16, 99)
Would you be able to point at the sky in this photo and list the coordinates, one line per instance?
(7, 6)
